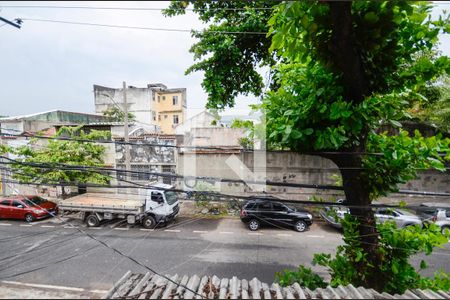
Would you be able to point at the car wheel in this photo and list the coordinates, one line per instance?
(300, 226)
(149, 222)
(253, 225)
(29, 218)
(92, 221)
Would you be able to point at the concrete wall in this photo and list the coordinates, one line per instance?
(139, 101)
(295, 168)
(203, 119)
(214, 136)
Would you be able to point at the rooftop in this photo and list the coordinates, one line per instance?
(150, 286)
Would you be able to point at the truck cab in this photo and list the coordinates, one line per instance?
(161, 205)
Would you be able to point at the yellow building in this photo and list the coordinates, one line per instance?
(169, 108)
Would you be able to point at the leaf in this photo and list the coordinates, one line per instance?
(395, 123)
(371, 17)
(308, 131)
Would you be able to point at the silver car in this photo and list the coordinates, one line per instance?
(401, 217)
(438, 213)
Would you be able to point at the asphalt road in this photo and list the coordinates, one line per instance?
(54, 254)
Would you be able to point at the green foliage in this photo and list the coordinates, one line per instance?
(396, 246)
(400, 158)
(203, 199)
(118, 114)
(434, 107)
(337, 179)
(229, 61)
(58, 152)
(304, 276)
(387, 34)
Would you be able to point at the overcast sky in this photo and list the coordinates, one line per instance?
(47, 66)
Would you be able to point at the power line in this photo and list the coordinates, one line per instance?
(142, 28)
(204, 178)
(144, 143)
(134, 8)
(217, 196)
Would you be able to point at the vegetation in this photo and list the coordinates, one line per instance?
(304, 276)
(349, 265)
(50, 156)
(340, 70)
(434, 109)
(118, 114)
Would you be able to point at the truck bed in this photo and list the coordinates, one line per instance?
(116, 203)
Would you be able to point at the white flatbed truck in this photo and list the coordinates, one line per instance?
(158, 205)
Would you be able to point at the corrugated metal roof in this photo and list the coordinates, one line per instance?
(149, 286)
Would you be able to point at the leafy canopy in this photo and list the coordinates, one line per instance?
(230, 62)
(118, 114)
(61, 152)
(397, 245)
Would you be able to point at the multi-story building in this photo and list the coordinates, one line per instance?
(155, 104)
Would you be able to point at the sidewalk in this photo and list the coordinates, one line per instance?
(16, 290)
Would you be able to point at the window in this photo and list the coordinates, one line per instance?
(154, 115)
(164, 97)
(5, 202)
(165, 116)
(157, 197)
(279, 207)
(167, 169)
(175, 100)
(447, 213)
(153, 97)
(175, 119)
(387, 212)
(17, 204)
(266, 206)
(159, 98)
(159, 117)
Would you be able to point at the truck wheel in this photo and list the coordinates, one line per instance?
(149, 222)
(92, 221)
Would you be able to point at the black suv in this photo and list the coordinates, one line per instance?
(261, 211)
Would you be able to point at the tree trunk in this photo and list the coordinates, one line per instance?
(357, 197)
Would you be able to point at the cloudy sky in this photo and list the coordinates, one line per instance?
(53, 66)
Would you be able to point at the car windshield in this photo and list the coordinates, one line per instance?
(171, 197)
(34, 201)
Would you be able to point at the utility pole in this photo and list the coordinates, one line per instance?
(125, 132)
(2, 173)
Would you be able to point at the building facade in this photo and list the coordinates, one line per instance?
(153, 105)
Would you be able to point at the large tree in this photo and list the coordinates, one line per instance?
(341, 69)
(39, 162)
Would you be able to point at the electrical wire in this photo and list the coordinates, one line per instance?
(135, 8)
(142, 28)
(223, 148)
(218, 195)
(216, 179)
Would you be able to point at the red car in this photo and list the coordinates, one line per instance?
(28, 208)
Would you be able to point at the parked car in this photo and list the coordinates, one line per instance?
(402, 218)
(28, 208)
(437, 213)
(265, 211)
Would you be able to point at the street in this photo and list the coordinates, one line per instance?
(51, 253)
